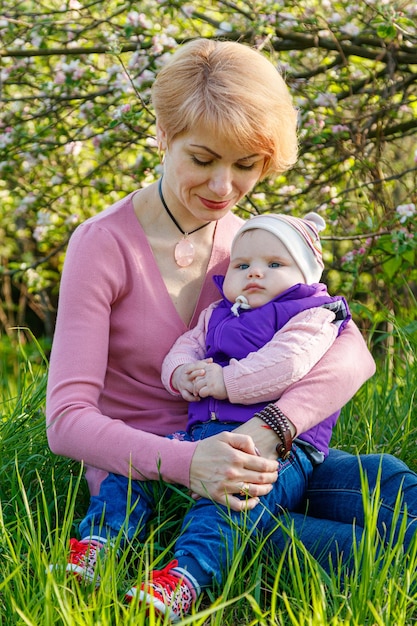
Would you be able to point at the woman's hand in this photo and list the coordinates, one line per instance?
(263, 437)
(227, 464)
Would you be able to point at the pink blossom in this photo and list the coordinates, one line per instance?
(147, 76)
(5, 73)
(72, 219)
(59, 78)
(326, 100)
(157, 46)
(226, 27)
(25, 202)
(40, 232)
(348, 257)
(97, 141)
(339, 128)
(138, 20)
(151, 142)
(73, 69)
(133, 19)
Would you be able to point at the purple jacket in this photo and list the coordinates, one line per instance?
(230, 336)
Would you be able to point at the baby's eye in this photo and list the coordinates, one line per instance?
(243, 266)
(275, 264)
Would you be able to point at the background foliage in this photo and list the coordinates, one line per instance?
(77, 133)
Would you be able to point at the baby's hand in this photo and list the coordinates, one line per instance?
(183, 379)
(209, 381)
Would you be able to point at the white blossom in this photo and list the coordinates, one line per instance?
(350, 29)
(326, 100)
(73, 147)
(405, 211)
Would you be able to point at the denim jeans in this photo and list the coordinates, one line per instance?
(328, 521)
(212, 533)
(334, 514)
(209, 534)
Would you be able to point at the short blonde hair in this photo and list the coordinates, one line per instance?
(233, 90)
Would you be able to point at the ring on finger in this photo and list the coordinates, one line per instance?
(244, 490)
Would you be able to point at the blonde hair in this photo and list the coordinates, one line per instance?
(234, 91)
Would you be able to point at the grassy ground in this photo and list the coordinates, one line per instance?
(43, 498)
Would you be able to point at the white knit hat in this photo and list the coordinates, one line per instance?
(299, 235)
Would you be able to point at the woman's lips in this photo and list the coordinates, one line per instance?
(211, 204)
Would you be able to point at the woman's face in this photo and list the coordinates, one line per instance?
(206, 176)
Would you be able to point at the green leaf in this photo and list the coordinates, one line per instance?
(392, 266)
(386, 31)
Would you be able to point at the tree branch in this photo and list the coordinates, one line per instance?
(290, 40)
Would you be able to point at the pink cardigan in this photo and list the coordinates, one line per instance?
(106, 404)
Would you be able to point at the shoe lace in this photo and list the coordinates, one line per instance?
(79, 550)
(164, 578)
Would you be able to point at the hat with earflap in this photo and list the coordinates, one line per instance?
(300, 236)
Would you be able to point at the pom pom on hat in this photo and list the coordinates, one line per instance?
(299, 235)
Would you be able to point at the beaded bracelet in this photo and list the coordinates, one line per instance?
(277, 421)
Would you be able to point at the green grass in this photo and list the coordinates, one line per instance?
(43, 497)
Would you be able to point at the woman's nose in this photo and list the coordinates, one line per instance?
(221, 183)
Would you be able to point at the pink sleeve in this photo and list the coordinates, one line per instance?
(189, 347)
(264, 375)
(331, 383)
(77, 426)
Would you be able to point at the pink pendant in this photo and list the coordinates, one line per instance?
(184, 253)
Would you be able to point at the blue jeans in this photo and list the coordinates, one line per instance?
(335, 516)
(209, 534)
(327, 522)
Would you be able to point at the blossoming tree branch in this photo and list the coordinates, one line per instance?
(77, 131)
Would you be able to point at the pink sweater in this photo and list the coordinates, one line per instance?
(106, 404)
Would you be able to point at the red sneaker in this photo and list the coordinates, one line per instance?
(168, 591)
(83, 559)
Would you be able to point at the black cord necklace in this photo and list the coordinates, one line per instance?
(184, 249)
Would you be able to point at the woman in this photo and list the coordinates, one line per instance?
(137, 276)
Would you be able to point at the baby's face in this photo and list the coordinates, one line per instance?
(260, 268)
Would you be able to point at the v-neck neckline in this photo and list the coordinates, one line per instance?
(156, 271)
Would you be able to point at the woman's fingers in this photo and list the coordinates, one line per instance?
(223, 463)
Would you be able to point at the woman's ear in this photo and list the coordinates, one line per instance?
(161, 138)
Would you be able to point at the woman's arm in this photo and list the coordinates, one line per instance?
(113, 436)
(264, 375)
(331, 383)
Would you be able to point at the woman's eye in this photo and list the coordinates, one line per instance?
(200, 163)
(249, 167)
